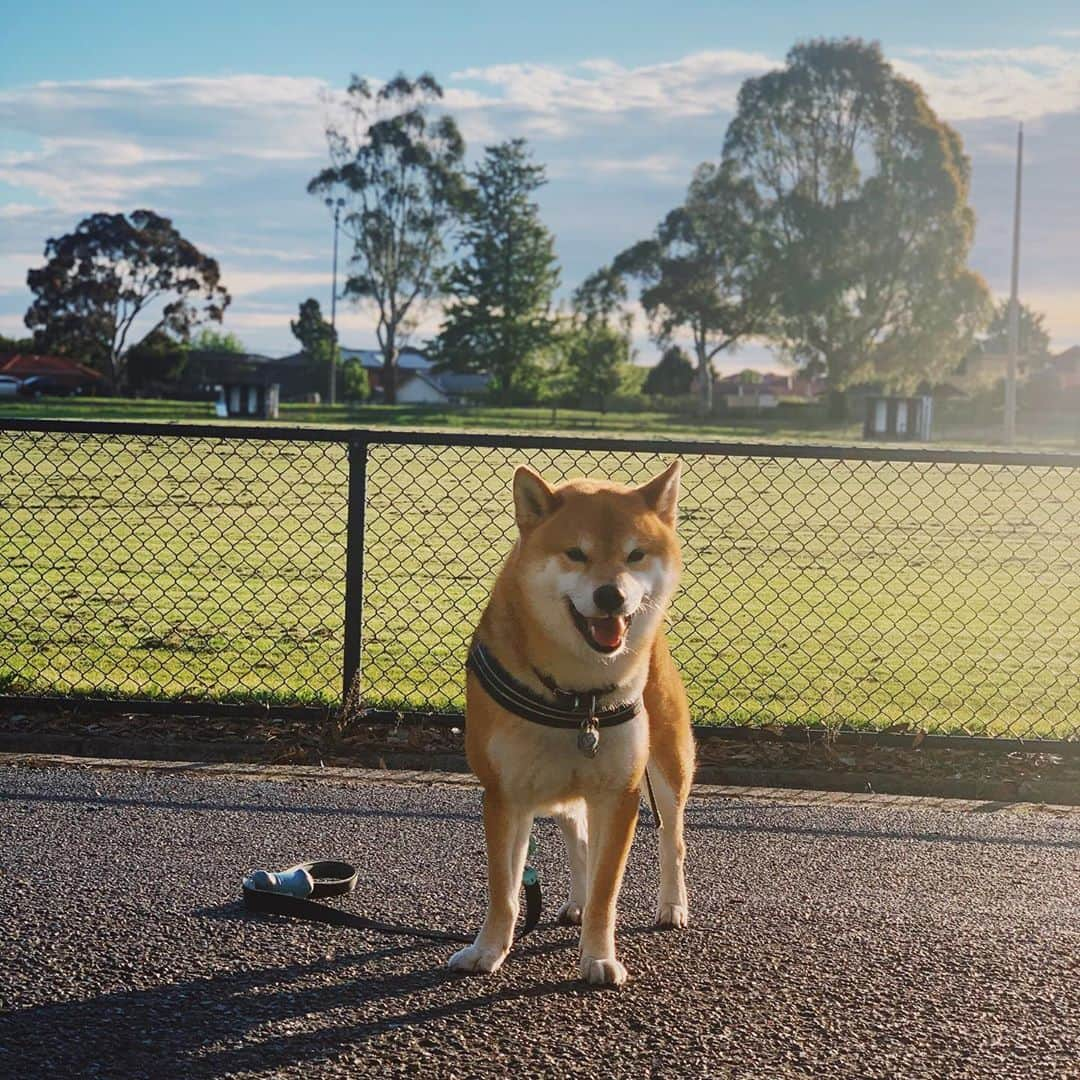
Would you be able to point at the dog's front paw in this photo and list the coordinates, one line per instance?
(602, 972)
(477, 958)
(673, 916)
(569, 914)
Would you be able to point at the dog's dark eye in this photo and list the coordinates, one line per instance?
(576, 555)
(636, 555)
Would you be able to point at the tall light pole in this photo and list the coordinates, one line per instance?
(1014, 304)
(335, 205)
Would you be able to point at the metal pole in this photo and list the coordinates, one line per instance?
(331, 388)
(1014, 304)
(354, 570)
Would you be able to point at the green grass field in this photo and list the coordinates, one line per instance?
(944, 598)
(806, 424)
(580, 421)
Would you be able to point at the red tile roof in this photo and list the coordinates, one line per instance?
(23, 365)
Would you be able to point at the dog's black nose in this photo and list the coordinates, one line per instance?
(608, 598)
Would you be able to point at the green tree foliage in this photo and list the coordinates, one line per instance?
(699, 271)
(596, 342)
(156, 364)
(632, 382)
(114, 277)
(595, 355)
(10, 345)
(318, 344)
(400, 172)
(217, 341)
(863, 216)
(1034, 347)
(356, 385)
(499, 318)
(672, 376)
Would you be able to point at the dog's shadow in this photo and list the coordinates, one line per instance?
(272, 1017)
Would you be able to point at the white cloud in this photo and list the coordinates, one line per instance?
(259, 253)
(18, 210)
(71, 183)
(554, 99)
(215, 92)
(13, 268)
(99, 143)
(253, 282)
(1061, 307)
(228, 158)
(976, 84)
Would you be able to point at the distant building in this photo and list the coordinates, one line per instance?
(418, 383)
(977, 371)
(750, 389)
(898, 419)
(242, 384)
(70, 375)
(201, 374)
(1064, 369)
(1056, 386)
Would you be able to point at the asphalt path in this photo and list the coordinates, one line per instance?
(880, 939)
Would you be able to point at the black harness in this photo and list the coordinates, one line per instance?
(571, 710)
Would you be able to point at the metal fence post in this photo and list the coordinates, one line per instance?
(354, 567)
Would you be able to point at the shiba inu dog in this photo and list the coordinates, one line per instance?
(571, 693)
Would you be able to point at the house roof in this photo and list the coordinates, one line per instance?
(420, 376)
(221, 365)
(23, 365)
(792, 383)
(408, 359)
(1070, 358)
(464, 382)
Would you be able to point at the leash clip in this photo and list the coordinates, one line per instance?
(588, 740)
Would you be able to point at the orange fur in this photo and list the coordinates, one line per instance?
(528, 770)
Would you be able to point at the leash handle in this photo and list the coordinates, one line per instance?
(265, 902)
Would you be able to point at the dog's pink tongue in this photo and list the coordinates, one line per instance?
(608, 633)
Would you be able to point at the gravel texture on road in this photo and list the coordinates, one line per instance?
(868, 940)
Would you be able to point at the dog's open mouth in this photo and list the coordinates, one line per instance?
(605, 634)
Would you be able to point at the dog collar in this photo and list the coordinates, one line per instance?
(571, 710)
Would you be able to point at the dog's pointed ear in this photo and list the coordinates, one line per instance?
(661, 494)
(534, 499)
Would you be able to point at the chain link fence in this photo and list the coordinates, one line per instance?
(895, 591)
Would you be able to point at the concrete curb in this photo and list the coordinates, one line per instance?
(257, 753)
(336, 774)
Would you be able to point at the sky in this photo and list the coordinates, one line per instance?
(213, 115)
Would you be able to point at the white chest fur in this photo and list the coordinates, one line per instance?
(543, 769)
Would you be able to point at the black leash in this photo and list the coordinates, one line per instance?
(332, 878)
(572, 710)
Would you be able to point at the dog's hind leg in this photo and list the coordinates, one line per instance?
(506, 830)
(671, 906)
(671, 770)
(576, 837)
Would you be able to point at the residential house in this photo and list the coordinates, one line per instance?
(1056, 386)
(418, 383)
(976, 372)
(67, 374)
(201, 374)
(750, 389)
(1066, 369)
